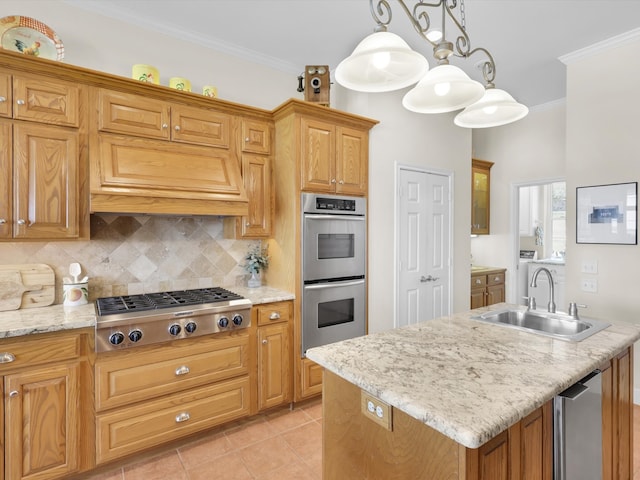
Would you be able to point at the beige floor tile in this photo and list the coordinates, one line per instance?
(114, 475)
(284, 420)
(268, 455)
(205, 450)
(163, 467)
(250, 433)
(305, 440)
(314, 410)
(294, 471)
(227, 467)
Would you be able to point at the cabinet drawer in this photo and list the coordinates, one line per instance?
(495, 279)
(133, 115)
(273, 313)
(478, 281)
(169, 369)
(34, 350)
(131, 429)
(46, 101)
(5, 95)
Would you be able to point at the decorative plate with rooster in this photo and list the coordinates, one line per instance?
(30, 37)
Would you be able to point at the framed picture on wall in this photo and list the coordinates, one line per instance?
(607, 214)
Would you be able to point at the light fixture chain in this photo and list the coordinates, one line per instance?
(463, 18)
(379, 12)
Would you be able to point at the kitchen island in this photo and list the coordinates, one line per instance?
(457, 398)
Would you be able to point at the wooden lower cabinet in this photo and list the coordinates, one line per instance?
(487, 287)
(311, 383)
(46, 413)
(148, 396)
(356, 447)
(275, 382)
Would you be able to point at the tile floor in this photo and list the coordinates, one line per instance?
(284, 445)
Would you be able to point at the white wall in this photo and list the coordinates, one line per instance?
(102, 43)
(603, 147)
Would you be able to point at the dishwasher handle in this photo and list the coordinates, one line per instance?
(576, 390)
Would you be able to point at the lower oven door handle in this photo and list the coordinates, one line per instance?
(351, 218)
(320, 286)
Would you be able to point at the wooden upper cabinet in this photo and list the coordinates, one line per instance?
(132, 114)
(334, 158)
(256, 172)
(317, 155)
(6, 193)
(256, 137)
(480, 196)
(352, 155)
(5, 95)
(46, 101)
(46, 182)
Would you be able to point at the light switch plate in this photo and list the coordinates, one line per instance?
(376, 410)
(589, 285)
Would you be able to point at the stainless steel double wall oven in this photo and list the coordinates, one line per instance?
(333, 268)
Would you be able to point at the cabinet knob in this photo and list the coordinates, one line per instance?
(21, 222)
(478, 281)
(2, 99)
(20, 102)
(247, 224)
(14, 393)
(264, 342)
(2, 221)
(182, 417)
(183, 370)
(177, 128)
(6, 357)
(246, 139)
(164, 125)
(333, 180)
(341, 182)
(274, 316)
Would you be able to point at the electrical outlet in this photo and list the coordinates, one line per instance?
(589, 285)
(590, 266)
(376, 410)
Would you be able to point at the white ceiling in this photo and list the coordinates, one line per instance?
(525, 37)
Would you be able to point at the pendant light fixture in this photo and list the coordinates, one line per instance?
(382, 63)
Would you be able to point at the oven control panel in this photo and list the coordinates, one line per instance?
(333, 204)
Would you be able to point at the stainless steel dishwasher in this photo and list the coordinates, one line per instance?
(577, 425)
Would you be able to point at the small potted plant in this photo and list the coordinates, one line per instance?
(256, 260)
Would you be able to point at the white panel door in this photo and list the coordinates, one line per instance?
(423, 247)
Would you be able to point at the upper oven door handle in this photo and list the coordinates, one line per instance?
(320, 286)
(351, 218)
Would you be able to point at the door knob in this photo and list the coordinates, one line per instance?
(428, 278)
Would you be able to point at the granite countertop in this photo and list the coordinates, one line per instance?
(467, 379)
(58, 317)
(480, 270)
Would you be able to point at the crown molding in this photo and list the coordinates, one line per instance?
(617, 41)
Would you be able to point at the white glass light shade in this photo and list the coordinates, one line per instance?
(382, 62)
(495, 108)
(443, 89)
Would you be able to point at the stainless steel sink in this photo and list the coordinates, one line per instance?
(556, 325)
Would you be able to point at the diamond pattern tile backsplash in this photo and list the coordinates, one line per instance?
(137, 254)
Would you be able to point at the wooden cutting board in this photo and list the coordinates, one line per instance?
(27, 285)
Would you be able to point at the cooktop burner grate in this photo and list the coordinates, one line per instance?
(155, 301)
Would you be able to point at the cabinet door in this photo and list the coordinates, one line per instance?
(46, 101)
(133, 115)
(5, 95)
(6, 193)
(478, 297)
(200, 126)
(495, 294)
(273, 365)
(256, 137)
(317, 156)
(493, 459)
(42, 425)
(480, 196)
(256, 173)
(46, 182)
(352, 156)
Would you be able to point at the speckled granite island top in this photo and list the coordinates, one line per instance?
(467, 379)
(28, 321)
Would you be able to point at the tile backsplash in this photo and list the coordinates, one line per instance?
(137, 254)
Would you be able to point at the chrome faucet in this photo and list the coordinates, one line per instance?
(552, 304)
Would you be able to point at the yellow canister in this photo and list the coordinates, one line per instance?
(145, 73)
(210, 91)
(180, 83)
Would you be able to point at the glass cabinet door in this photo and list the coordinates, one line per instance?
(480, 196)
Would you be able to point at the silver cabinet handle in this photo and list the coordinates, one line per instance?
(164, 125)
(21, 222)
(20, 102)
(247, 224)
(478, 281)
(2, 221)
(3, 99)
(274, 316)
(246, 139)
(182, 417)
(6, 357)
(14, 393)
(177, 128)
(428, 278)
(183, 370)
(264, 342)
(333, 180)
